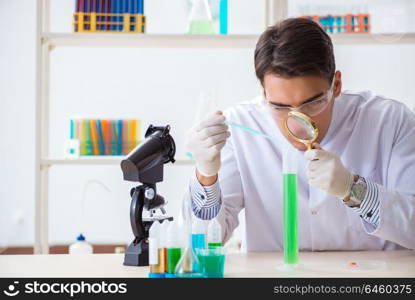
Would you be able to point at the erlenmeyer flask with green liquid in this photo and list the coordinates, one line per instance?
(200, 18)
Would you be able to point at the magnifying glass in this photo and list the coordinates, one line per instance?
(301, 128)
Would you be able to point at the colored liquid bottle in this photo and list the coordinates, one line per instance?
(156, 252)
(290, 203)
(174, 245)
(198, 236)
(163, 240)
(214, 235)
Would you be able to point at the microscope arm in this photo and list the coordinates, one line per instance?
(136, 213)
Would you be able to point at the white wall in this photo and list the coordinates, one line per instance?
(17, 88)
(159, 85)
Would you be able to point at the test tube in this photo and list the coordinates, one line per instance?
(290, 190)
(223, 17)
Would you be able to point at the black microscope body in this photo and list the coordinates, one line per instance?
(144, 164)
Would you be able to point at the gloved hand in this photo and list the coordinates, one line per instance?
(205, 142)
(326, 171)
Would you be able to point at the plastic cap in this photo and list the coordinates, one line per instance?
(163, 233)
(154, 230)
(198, 226)
(173, 238)
(80, 237)
(214, 232)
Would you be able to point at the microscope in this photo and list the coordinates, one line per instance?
(144, 164)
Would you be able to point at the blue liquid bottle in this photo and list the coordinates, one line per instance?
(198, 236)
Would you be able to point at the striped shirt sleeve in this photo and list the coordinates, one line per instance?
(369, 208)
(206, 200)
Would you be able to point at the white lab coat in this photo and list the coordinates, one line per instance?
(373, 136)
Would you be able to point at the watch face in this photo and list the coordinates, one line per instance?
(359, 191)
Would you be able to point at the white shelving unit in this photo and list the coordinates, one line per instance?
(199, 41)
(47, 41)
(148, 40)
(274, 10)
(99, 160)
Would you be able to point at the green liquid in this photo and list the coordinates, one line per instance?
(173, 257)
(200, 27)
(290, 219)
(212, 265)
(214, 245)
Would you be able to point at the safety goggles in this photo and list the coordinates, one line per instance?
(311, 108)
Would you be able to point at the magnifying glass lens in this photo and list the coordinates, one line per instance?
(300, 128)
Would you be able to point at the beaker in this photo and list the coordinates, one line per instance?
(212, 262)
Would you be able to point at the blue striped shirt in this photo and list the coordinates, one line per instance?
(206, 201)
(369, 208)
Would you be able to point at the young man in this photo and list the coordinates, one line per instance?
(356, 187)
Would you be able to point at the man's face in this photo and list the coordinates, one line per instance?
(294, 92)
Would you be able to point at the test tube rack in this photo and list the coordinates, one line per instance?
(109, 22)
(348, 23)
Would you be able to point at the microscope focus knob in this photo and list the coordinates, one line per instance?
(149, 193)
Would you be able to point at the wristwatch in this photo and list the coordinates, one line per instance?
(357, 193)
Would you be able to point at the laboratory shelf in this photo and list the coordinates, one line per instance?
(99, 160)
(201, 41)
(148, 40)
(372, 38)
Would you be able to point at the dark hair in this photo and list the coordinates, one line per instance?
(295, 47)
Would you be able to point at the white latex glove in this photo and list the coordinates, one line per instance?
(205, 141)
(326, 171)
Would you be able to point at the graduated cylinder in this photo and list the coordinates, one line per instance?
(290, 205)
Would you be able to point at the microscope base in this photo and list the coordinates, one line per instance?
(136, 254)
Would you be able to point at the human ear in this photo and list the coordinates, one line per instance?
(337, 84)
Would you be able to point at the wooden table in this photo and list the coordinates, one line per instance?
(312, 264)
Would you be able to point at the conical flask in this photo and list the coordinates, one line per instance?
(200, 18)
(188, 265)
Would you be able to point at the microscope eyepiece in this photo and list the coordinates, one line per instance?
(145, 162)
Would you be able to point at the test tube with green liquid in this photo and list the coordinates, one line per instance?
(290, 201)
